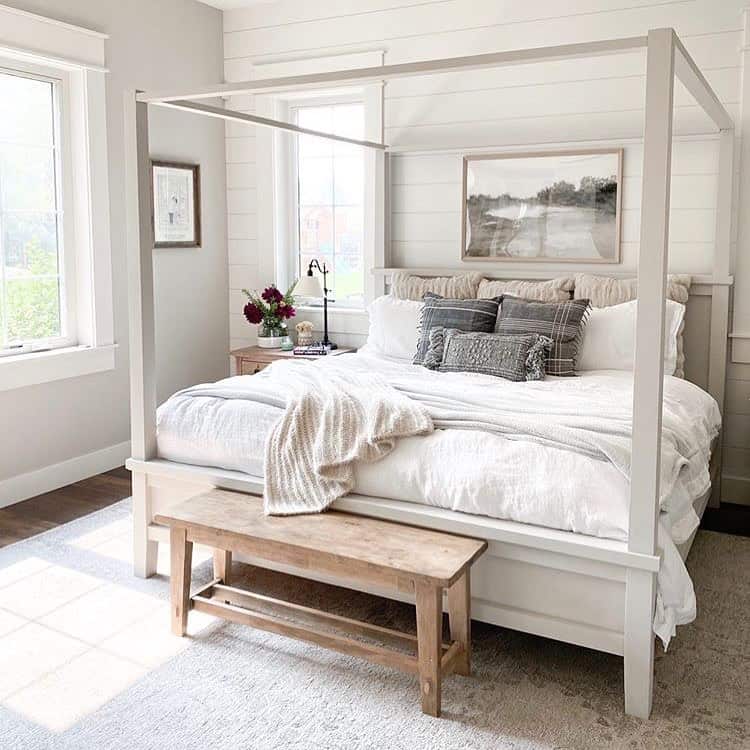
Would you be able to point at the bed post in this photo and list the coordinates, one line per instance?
(140, 243)
(376, 189)
(640, 585)
(381, 226)
(717, 362)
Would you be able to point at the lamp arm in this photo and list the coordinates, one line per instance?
(314, 263)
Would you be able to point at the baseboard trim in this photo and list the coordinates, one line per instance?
(23, 486)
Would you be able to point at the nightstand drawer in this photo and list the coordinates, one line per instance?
(248, 367)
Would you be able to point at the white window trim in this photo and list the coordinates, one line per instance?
(77, 56)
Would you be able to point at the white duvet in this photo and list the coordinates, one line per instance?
(490, 474)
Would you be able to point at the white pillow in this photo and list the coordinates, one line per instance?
(393, 327)
(609, 337)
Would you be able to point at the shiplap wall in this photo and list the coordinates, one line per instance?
(589, 102)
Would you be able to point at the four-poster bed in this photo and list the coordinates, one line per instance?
(605, 589)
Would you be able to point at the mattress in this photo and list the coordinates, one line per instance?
(469, 471)
(473, 471)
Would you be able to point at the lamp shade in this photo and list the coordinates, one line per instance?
(308, 286)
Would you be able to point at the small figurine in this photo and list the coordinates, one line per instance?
(304, 333)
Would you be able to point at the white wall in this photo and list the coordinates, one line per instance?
(152, 45)
(599, 101)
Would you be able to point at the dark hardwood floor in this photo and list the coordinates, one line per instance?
(728, 518)
(38, 514)
(43, 512)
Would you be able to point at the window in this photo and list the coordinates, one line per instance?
(330, 198)
(36, 288)
(36, 306)
(56, 306)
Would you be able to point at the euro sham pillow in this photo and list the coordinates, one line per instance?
(406, 286)
(609, 339)
(554, 290)
(604, 291)
(462, 314)
(562, 322)
(393, 327)
(516, 358)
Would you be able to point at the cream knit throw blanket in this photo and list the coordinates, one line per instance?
(330, 422)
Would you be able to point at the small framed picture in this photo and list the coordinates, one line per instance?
(177, 204)
(546, 206)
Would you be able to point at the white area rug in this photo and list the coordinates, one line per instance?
(87, 663)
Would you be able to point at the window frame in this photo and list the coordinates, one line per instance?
(67, 266)
(77, 55)
(293, 107)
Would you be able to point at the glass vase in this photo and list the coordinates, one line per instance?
(271, 335)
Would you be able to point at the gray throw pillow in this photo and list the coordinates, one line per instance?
(461, 314)
(562, 322)
(516, 358)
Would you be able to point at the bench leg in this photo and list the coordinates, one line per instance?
(429, 645)
(181, 563)
(223, 565)
(459, 617)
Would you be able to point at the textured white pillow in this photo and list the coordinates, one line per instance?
(609, 337)
(393, 327)
(554, 290)
(463, 286)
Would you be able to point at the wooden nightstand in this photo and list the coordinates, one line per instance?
(253, 359)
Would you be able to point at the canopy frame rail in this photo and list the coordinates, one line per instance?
(265, 122)
(404, 70)
(666, 58)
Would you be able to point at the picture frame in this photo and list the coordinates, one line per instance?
(176, 210)
(542, 206)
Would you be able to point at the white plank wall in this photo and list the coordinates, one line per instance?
(598, 101)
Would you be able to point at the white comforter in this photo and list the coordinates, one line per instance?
(499, 475)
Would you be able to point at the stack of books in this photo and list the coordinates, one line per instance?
(313, 350)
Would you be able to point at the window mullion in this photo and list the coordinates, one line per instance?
(298, 209)
(64, 277)
(333, 211)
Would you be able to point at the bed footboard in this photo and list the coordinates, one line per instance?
(569, 587)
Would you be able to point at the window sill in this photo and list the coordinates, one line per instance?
(332, 310)
(55, 364)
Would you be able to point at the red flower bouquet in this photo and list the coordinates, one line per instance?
(270, 307)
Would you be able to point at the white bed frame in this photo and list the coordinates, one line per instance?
(593, 592)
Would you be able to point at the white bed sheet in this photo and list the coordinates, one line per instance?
(476, 472)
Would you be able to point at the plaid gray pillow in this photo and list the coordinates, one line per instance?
(461, 314)
(562, 322)
(516, 358)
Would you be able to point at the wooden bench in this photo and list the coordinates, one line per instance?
(398, 557)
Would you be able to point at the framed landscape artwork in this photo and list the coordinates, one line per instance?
(176, 212)
(547, 206)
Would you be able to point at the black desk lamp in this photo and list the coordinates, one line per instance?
(309, 286)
